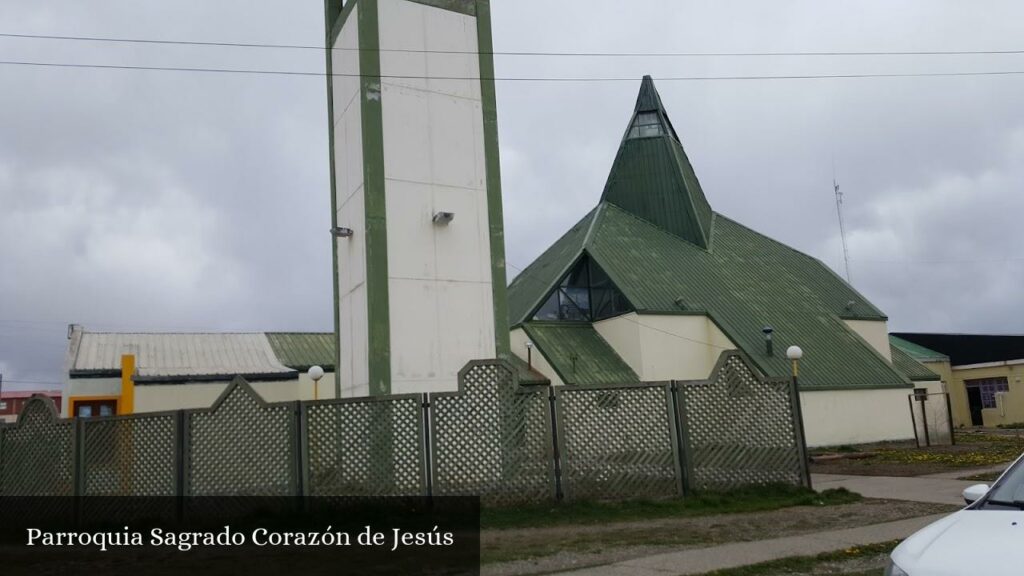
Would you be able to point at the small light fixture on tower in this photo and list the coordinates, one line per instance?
(529, 355)
(341, 232)
(768, 339)
(443, 218)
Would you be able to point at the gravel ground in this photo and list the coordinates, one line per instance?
(521, 551)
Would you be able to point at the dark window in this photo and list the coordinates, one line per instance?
(646, 124)
(988, 388)
(586, 293)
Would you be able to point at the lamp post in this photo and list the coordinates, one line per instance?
(795, 353)
(316, 373)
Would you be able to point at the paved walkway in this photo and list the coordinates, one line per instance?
(941, 488)
(701, 560)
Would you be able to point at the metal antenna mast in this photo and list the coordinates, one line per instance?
(842, 229)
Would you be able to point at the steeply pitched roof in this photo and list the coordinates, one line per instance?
(579, 354)
(743, 280)
(652, 177)
(909, 366)
(301, 350)
(916, 351)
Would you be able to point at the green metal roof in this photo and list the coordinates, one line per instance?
(652, 177)
(579, 354)
(916, 351)
(742, 280)
(300, 350)
(910, 367)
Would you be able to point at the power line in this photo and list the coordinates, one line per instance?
(514, 79)
(518, 53)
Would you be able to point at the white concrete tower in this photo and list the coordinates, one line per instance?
(419, 279)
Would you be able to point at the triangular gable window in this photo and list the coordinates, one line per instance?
(646, 124)
(585, 294)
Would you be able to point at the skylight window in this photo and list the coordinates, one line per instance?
(585, 294)
(646, 124)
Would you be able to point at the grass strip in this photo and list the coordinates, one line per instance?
(755, 499)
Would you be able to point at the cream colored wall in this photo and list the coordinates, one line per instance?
(1009, 407)
(353, 328)
(439, 276)
(669, 347)
(835, 417)
(875, 332)
(517, 340)
(163, 397)
(88, 387)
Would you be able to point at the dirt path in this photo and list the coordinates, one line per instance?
(539, 550)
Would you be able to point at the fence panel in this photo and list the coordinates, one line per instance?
(37, 453)
(129, 455)
(739, 429)
(366, 447)
(618, 442)
(933, 424)
(492, 438)
(243, 446)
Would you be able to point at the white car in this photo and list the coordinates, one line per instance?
(984, 539)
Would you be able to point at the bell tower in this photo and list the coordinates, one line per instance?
(419, 256)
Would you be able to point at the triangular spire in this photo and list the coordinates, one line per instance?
(652, 177)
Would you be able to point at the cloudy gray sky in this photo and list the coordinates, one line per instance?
(151, 201)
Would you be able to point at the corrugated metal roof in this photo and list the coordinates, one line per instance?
(579, 354)
(651, 178)
(916, 351)
(177, 355)
(300, 350)
(910, 367)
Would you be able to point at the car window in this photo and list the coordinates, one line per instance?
(1010, 488)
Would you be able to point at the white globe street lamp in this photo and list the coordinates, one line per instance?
(315, 373)
(795, 353)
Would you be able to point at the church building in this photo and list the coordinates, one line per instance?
(652, 284)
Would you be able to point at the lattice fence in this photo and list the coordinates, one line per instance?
(618, 442)
(37, 453)
(739, 429)
(366, 447)
(243, 446)
(492, 438)
(129, 456)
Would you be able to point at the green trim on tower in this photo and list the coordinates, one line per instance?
(336, 18)
(485, 47)
(332, 9)
(460, 6)
(376, 233)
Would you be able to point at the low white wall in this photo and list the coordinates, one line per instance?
(875, 332)
(88, 387)
(518, 340)
(666, 347)
(835, 417)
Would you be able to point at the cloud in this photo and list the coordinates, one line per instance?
(177, 201)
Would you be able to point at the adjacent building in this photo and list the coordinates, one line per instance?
(189, 370)
(11, 402)
(982, 372)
